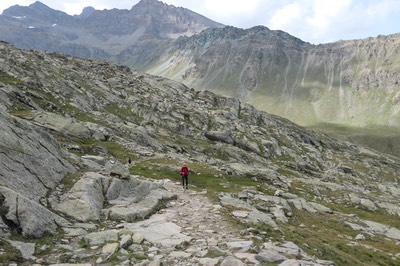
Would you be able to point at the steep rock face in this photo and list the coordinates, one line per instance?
(350, 82)
(32, 161)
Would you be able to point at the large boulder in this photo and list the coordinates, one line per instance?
(85, 199)
(133, 199)
(224, 137)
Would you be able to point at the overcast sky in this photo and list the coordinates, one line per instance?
(314, 21)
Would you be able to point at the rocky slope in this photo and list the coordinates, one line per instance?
(352, 83)
(279, 193)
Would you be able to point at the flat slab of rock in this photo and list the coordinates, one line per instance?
(228, 200)
(98, 238)
(240, 214)
(163, 233)
(70, 232)
(110, 249)
(243, 246)
(270, 256)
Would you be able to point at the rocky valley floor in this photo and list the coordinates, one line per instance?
(190, 230)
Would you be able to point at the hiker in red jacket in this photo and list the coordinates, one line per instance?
(184, 173)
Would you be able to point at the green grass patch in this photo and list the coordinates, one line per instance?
(20, 110)
(326, 236)
(83, 244)
(381, 138)
(70, 179)
(79, 114)
(96, 147)
(287, 172)
(376, 216)
(214, 253)
(121, 111)
(9, 80)
(202, 176)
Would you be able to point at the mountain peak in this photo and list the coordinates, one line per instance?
(86, 12)
(149, 3)
(39, 6)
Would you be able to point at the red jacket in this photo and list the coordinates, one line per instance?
(184, 170)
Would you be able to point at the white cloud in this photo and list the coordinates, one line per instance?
(286, 16)
(225, 8)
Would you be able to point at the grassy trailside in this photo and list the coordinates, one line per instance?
(323, 235)
(383, 139)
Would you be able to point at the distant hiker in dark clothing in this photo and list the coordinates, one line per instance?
(129, 161)
(184, 173)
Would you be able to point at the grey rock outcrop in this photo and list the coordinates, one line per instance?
(224, 137)
(128, 199)
(32, 161)
(85, 200)
(31, 218)
(134, 199)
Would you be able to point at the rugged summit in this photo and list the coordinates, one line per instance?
(70, 125)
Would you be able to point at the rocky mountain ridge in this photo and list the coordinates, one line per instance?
(70, 125)
(98, 34)
(352, 83)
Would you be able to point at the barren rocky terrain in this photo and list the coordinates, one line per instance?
(264, 191)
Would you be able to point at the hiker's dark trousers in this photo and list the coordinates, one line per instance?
(184, 179)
